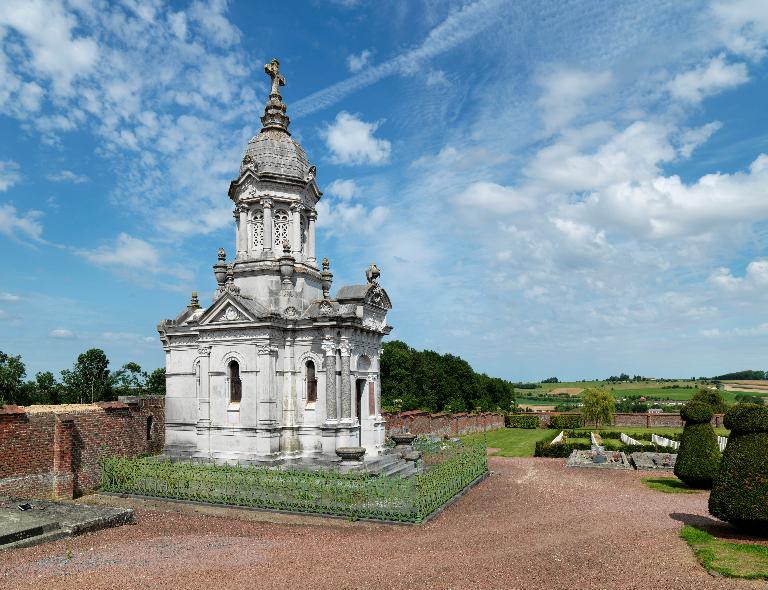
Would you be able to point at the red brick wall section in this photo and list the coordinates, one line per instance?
(642, 420)
(418, 422)
(57, 453)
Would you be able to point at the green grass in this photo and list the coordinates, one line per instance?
(735, 560)
(670, 485)
(513, 442)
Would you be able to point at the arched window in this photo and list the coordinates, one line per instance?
(149, 427)
(258, 229)
(304, 226)
(235, 385)
(311, 382)
(281, 228)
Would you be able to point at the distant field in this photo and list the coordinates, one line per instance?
(673, 391)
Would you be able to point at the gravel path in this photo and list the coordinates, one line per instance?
(532, 524)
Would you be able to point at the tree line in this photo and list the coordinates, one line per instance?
(426, 380)
(88, 381)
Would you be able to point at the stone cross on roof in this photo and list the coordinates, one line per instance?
(273, 71)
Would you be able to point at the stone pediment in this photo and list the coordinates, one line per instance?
(230, 309)
(370, 294)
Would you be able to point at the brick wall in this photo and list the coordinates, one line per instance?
(56, 451)
(642, 420)
(418, 422)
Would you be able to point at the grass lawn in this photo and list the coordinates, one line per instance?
(670, 485)
(513, 442)
(735, 560)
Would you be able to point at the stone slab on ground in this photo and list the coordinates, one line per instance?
(654, 461)
(611, 460)
(48, 521)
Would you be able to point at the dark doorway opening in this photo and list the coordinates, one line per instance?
(359, 391)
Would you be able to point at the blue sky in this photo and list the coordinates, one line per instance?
(550, 188)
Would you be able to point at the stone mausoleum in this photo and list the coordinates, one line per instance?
(275, 369)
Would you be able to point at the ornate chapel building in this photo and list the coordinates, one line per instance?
(275, 369)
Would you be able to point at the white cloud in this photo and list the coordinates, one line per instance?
(565, 92)
(755, 278)
(68, 176)
(437, 78)
(62, 334)
(129, 338)
(342, 188)
(690, 139)
(14, 225)
(355, 63)
(458, 27)
(47, 30)
(209, 16)
(665, 207)
(9, 174)
(493, 197)
(743, 26)
(127, 251)
(707, 79)
(351, 141)
(9, 297)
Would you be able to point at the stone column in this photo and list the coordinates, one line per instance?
(296, 233)
(204, 403)
(346, 382)
(242, 232)
(330, 380)
(289, 441)
(266, 385)
(312, 217)
(63, 478)
(267, 206)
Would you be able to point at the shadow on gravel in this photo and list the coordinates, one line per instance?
(716, 528)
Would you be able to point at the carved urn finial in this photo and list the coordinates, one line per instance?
(220, 268)
(286, 262)
(327, 279)
(194, 303)
(274, 113)
(373, 273)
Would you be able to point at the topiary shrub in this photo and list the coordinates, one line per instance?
(740, 489)
(698, 456)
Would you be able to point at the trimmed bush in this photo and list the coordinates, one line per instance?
(558, 450)
(566, 421)
(521, 421)
(698, 457)
(740, 489)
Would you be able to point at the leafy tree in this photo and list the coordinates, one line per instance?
(12, 372)
(129, 380)
(89, 379)
(747, 375)
(44, 389)
(598, 406)
(551, 380)
(427, 380)
(155, 383)
(711, 397)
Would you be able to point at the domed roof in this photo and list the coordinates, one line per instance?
(273, 151)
